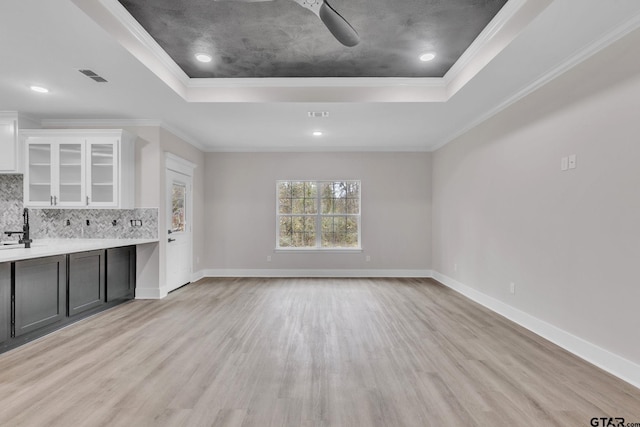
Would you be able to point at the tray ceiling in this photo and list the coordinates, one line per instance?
(526, 45)
(280, 38)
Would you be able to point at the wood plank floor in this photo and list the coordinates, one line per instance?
(304, 352)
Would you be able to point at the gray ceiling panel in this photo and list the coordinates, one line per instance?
(280, 38)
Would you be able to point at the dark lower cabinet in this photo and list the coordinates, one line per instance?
(5, 301)
(86, 281)
(121, 273)
(40, 293)
(38, 296)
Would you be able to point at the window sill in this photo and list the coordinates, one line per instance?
(316, 250)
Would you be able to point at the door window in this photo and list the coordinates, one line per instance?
(178, 204)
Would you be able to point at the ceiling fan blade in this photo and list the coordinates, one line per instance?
(339, 27)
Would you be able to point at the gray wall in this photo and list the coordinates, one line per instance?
(503, 211)
(240, 209)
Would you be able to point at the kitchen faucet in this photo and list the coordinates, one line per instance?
(25, 230)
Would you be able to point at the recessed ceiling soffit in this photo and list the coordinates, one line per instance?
(282, 51)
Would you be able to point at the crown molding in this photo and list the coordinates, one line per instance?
(117, 21)
(502, 30)
(323, 149)
(583, 54)
(322, 82)
(183, 136)
(71, 123)
(119, 123)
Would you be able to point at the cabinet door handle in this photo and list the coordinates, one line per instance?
(171, 240)
(51, 202)
(55, 200)
(87, 200)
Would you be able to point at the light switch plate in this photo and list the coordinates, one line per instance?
(564, 163)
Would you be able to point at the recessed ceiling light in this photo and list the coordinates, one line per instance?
(317, 133)
(39, 89)
(203, 57)
(427, 57)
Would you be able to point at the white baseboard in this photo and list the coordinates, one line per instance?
(197, 275)
(313, 273)
(150, 293)
(602, 358)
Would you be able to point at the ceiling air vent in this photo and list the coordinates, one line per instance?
(318, 114)
(92, 75)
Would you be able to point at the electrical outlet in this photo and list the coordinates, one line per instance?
(367, 258)
(268, 258)
(512, 288)
(572, 161)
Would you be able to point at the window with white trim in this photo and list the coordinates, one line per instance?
(318, 214)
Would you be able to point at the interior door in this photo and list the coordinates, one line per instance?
(178, 260)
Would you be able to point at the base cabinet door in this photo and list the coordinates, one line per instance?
(5, 301)
(86, 281)
(121, 273)
(40, 293)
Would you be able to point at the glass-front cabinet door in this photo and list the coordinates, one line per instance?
(79, 168)
(55, 172)
(71, 176)
(39, 169)
(102, 184)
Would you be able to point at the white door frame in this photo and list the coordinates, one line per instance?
(183, 167)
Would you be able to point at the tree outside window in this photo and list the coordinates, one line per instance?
(318, 214)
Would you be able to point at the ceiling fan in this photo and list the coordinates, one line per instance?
(335, 23)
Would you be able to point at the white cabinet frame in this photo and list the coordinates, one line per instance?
(10, 161)
(107, 175)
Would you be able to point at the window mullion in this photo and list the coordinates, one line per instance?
(318, 217)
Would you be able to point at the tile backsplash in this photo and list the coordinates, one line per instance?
(72, 223)
(10, 203)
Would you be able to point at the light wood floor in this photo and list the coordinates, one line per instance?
(304, 352)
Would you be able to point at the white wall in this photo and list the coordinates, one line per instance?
(240, 210)
(503, 211)
(151, 145)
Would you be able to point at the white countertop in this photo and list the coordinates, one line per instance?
(48, 247)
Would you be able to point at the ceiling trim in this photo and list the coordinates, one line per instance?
(588, 51)
(119, 24)
(100, 122)
(514, 16)
(319, 148)
(119, 123)
(505, 26)
(432, 82)
(123, 123)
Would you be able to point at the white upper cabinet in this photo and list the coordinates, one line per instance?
(79, 168)
(10, 156)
